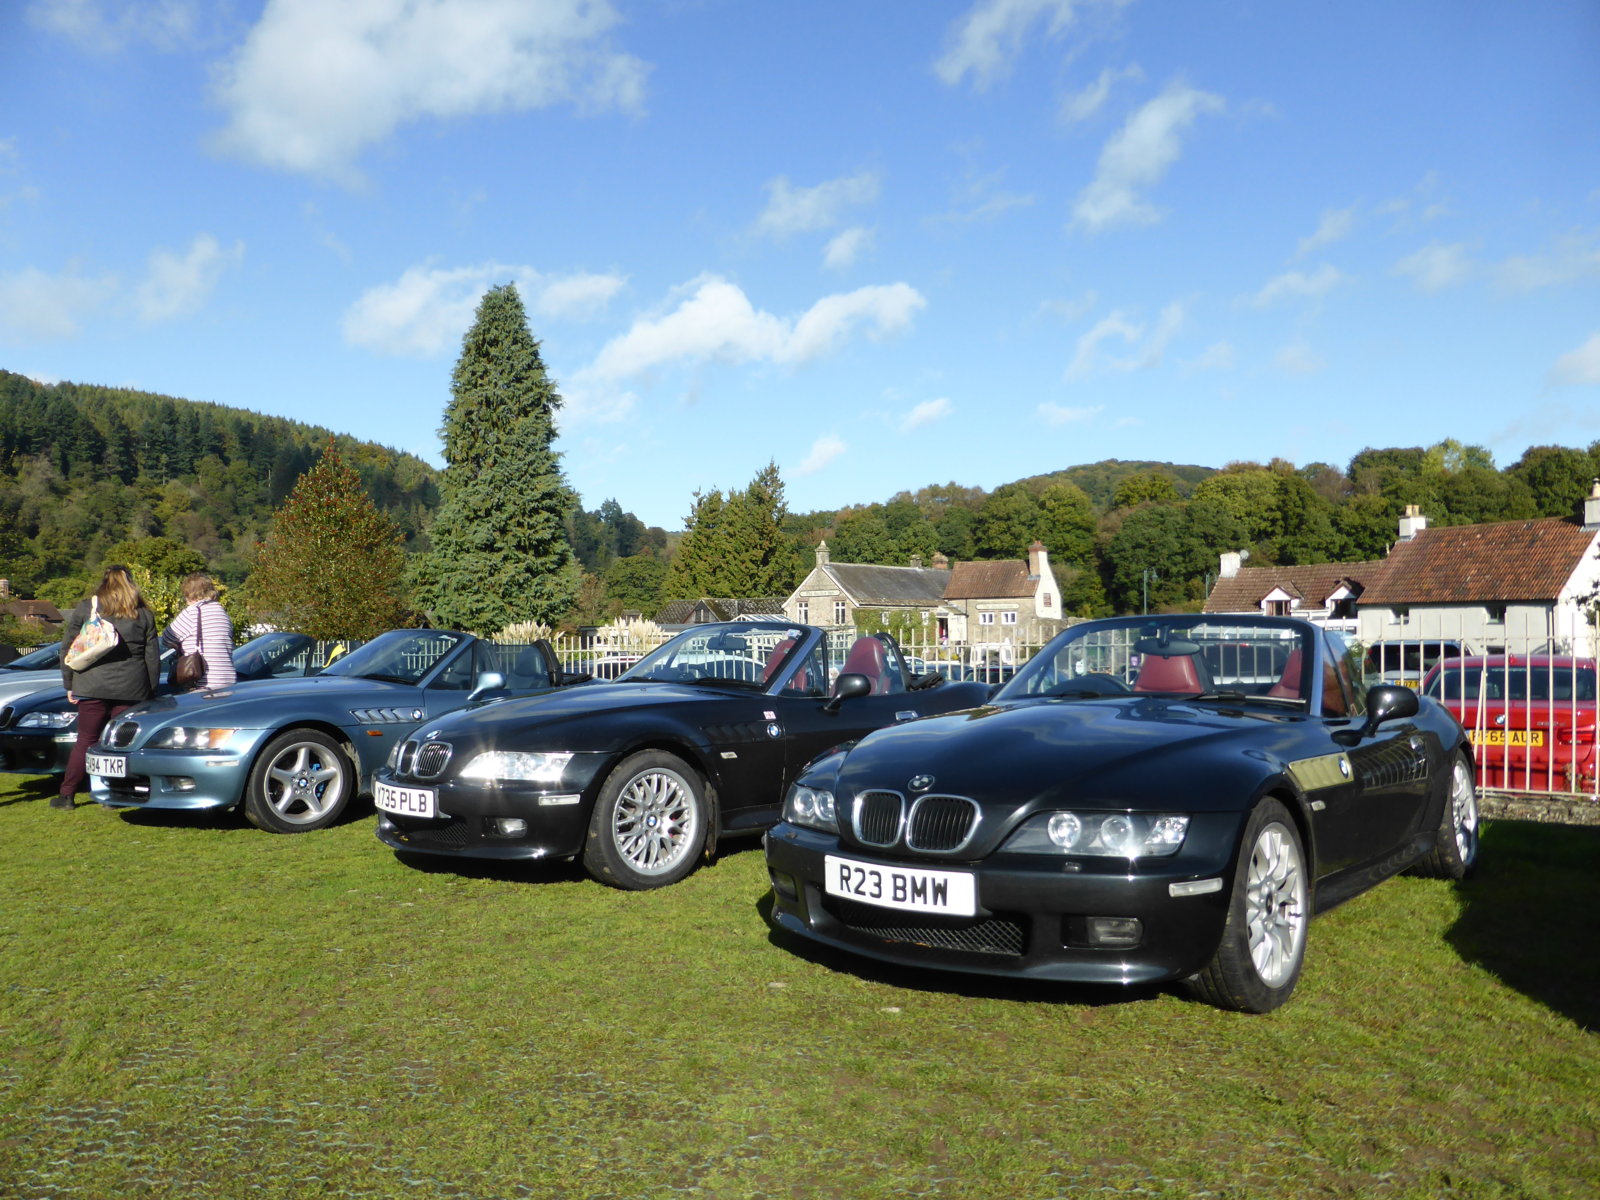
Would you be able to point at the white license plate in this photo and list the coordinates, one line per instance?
(408, 802)
(953, 893)
(109, 766)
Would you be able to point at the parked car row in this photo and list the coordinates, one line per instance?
(1147, 799)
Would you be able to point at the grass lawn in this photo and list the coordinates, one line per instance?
(196, 1009)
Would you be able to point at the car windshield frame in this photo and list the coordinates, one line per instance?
(385, 656)
(1238, 659)
(726, 653)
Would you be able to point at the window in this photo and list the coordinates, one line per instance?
(803, 612)
(838, 612)
(1277, 608)
(1008, 618)
(1047, 601)
(1497, 614)
(986, 618)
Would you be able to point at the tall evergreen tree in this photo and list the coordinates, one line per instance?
(331, 565)
(696, 568)
(500, 550)
(764, 559)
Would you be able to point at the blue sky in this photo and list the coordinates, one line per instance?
(883, 244)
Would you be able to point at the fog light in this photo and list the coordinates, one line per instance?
(508, 826)
(784, 885)
(1114, 931)
(179, 783)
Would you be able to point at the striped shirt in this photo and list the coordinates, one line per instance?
(215, 631)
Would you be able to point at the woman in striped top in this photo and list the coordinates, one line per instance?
(204, 626)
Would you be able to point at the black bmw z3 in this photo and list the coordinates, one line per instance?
(1148, 799)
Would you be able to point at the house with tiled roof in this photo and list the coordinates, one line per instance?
(1005, 601)
(678, 615)
(1326, 593)
(1507, 586)
(831, 593)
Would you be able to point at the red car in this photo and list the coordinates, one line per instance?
(1531, 717)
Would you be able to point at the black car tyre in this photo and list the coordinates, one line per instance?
(300, 782)
(1263, 944)
(649, 823)
(1456, 850)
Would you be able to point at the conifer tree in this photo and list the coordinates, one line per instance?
(332, 564)
(500, 551)
(696, 568)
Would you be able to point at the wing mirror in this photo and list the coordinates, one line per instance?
(491, 685)
(1386, 702)
(850, 684)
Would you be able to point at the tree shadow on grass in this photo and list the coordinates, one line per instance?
(1531, 914)
(953, 983)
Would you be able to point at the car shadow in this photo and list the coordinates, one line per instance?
(500, 870)
(950, 983)
(1528, 910)
(31, 788)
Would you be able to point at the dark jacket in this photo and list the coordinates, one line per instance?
(129, 673)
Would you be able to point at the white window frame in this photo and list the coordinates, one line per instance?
(986, 618)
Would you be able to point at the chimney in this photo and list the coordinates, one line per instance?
(1038, 560)
(822, 554)
(940, 562)
(916, 561)
(1591, 516)
(1412, 522)
(1229, 564)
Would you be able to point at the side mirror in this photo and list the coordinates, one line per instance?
(491, 685)
(1387, 702)
(850, 685)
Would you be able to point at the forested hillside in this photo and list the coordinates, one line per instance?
(85, 467)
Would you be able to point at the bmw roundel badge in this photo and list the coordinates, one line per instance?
(920, 783)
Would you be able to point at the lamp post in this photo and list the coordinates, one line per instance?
(1149, 574)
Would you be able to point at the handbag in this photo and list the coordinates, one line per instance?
(95, 640)
(190, 670)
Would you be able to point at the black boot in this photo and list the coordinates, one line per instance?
(65, 803)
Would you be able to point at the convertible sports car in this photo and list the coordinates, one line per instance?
(694, 742)
(295, 751)
(1149, 799)
(37, 730)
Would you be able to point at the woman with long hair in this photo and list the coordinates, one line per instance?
(203, 627)
(109, 686)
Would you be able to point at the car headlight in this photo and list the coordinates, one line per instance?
(48, 720)
(1101, 834)
(810, 806)
(180, 737)
(511, 765)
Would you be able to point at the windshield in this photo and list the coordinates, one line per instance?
(402, 655)
(37, 660)
(732, 653)
(274, 654)
(1182, 656)
(1496, 681)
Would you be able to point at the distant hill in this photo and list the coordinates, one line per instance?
(1100, 479)
(83, 467)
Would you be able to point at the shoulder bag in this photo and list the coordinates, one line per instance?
(190, 670)
(95, 640)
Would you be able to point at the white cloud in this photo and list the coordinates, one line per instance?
(1059, 414)
(985, 41)
(38, 307)
(1081, 105)
(806, 210)
(1436, 266)
(1218, 356)
(823, 451)
(1574, 257)
(844, 249)
(1581, 367)
(715, 320)
(926, 413)
(981, 198)
(427, 309)
(108, 26)
(316, 83)
(1335, 225)
(1070, 310)
(1296, 285)
(1138, 156)
(174, 286)
(1114, 325)
(1298, 358)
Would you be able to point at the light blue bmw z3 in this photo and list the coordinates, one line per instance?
(295, 752)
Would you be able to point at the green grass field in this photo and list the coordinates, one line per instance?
(196, 1009)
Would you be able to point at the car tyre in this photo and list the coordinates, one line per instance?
(1456, 851)
(301, 781)
(1258, 961)
(649, 824)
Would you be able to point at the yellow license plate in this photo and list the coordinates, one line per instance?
(1511, 737)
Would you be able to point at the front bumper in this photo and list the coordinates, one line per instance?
(471, 815)
(36, 753)
(1033, 911)
(175, 779)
